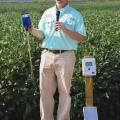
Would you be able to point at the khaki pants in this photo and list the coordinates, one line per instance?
(56, 71)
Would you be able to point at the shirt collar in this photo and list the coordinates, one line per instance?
(62, 10)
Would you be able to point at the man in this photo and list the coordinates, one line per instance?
(62, 34)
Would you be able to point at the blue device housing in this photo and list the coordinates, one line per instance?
(26, 22)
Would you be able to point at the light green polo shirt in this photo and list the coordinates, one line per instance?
(59, 40)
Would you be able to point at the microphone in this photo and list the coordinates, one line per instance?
(57, 18)
(57, 15)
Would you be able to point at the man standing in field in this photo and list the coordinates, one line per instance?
(63, 30)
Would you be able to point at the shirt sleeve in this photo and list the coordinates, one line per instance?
(41, 25)
(79, 26)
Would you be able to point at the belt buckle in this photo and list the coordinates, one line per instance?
(56, 51)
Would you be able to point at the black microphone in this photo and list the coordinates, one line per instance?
(57, 15)
(57, 18)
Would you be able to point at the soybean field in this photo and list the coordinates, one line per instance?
(19, 91)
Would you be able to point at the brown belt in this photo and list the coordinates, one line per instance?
(56, 51)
